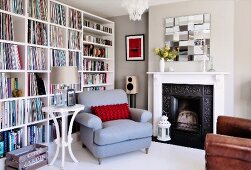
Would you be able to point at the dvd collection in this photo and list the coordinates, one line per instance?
(38, 9)
(97, 26)
(74, 59)
(15, 6)
(37, 33)
(75, 19)
(36, 58)
(93, 65)
(56, 37)
(57, 13)
(90, 79)
(6, 27)
(98, 40)
(94, 51)
(9, 57)
(34, 110)
(74, 40)
(58, 58)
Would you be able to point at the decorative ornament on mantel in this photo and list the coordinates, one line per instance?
(135, 8)
(165, 54)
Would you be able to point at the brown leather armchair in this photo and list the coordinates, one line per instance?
(230, 148)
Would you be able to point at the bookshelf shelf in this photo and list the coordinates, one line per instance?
(95, 31)
(97, 44)
(37, 52)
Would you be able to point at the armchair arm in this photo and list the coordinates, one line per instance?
(89, 120)
(140, 115)
(221, 146)
(233, 126)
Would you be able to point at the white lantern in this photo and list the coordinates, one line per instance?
(163, 129)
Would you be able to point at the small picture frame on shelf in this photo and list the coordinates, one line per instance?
(135, 47)
(71, 98)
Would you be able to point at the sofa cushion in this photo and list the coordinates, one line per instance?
(111, 112)
(122, 130)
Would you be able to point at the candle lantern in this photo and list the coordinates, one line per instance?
(164, 129)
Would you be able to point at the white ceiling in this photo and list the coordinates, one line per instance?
(108, 8)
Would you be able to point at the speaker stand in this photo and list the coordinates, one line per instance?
(132, 100)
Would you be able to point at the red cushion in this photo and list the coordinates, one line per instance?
(111, 112)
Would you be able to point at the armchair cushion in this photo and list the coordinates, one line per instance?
(121, 130)
(140, 115)
(89, 120)
(111, 112)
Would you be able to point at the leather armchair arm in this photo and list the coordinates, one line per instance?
(233, 126)
(227, 147)
(89, 120)
(140, 115)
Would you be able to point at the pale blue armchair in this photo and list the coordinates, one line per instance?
(105, 139)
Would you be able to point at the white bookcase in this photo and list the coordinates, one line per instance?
(66, 47)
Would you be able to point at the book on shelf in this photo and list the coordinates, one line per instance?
(74, 40)
(97, 88)
(35, 85)
(36, 134)
(7, 85)
(58, 58)
(94, 51)
(74, 59)
(37, 33)
(38, 9)
(10, 140)
(9, 57)
(36, 58)
(75, 20)
(98, 40)
(97, 26)
(12, 113)
(57, 12)
(6, 27)
(34, 110)
(15, 6)
(92, 79)
(93, 65)
(57, 36)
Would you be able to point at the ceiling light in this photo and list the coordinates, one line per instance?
(135, 8)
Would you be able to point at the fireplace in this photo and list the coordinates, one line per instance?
(190, 112)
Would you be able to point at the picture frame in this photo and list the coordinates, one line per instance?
(135, 47)
(71, 97)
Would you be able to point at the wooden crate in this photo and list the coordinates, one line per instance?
(27, 158)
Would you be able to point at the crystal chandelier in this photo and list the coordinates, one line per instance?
(135, 8)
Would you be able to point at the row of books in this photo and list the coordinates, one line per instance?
(57, 13)
(91, 79)
(98, 40)
(94, 51)
(97, 88)
(93, 65)
(74, 40)
(10, 140)
(36, 134)
(57, 37)
(75, 19)
(12, 113)
(9, 57)
(35, 85)
(74, 59)
(7, 85)
(37, 33)
(58, 58)
(36, 58)
(34, 110)
(97, 26)
(6, 27)
(15, 6)
(38, 9)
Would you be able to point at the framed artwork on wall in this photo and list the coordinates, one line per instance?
(135, 47)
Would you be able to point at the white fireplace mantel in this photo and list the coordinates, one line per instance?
(217, 79)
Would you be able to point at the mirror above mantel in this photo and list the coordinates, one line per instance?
(190, 35)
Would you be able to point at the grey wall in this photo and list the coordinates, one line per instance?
(123, 68)
(242, 59)
(222, 39)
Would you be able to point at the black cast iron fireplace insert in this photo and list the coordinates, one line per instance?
(190, 112)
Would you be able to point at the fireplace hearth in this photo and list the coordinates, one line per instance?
(190, 111)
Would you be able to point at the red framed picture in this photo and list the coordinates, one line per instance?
(135, 47)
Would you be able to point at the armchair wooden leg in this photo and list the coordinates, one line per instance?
(147, 150)
(99, 161)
